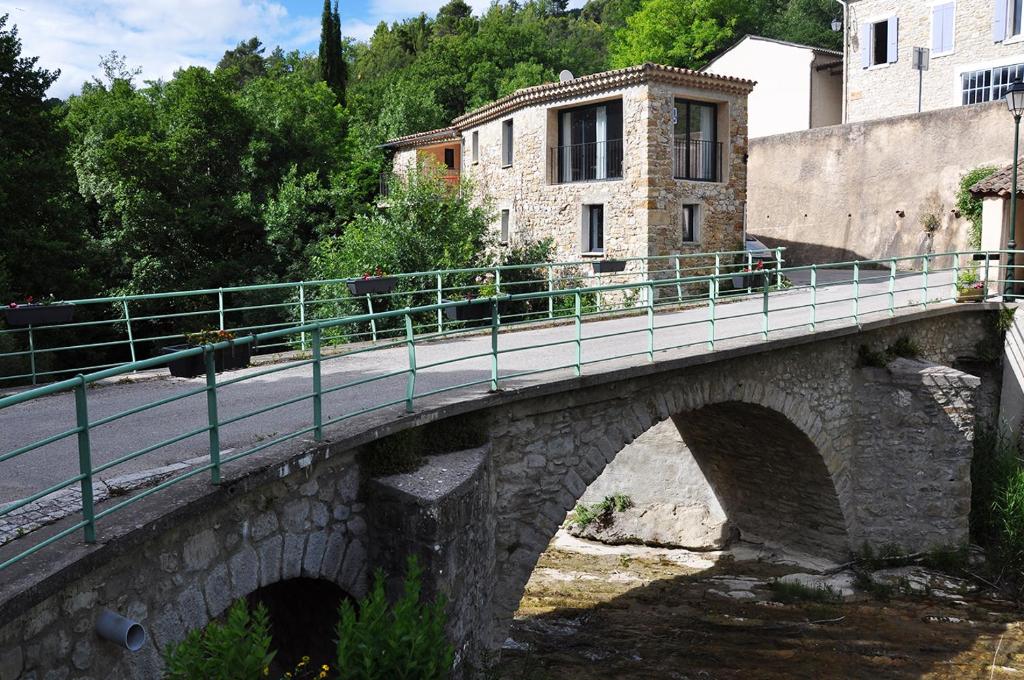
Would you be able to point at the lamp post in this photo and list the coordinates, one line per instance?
(1015, 103)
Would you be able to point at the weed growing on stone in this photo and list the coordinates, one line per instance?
(788, 593)
(903, 347)
(583, 514)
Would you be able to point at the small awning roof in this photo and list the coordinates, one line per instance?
(999, 182)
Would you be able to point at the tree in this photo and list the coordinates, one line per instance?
(808, 22)
(333, 68)
(243, 63)
(677, 32)
(46, 248)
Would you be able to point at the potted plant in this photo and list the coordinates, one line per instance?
(225, 359)
(32, 312)
(750, 276)
(969, 288)
(478, 308)
(608, 266)
(372, 283)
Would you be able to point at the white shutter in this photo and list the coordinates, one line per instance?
(999, 20)
(892, 49)
(942, 28)
(865, 45)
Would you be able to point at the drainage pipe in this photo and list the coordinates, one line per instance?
(121, 631)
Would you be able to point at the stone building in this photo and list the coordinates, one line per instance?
(976, 48)
(799, 87)
(640, 161)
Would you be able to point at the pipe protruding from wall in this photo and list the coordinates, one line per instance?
(121, 631)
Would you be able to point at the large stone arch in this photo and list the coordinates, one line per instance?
(549, 451)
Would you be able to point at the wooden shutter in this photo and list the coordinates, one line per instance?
(892, 49)
(999, 20)
(865, 45)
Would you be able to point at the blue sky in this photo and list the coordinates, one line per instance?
(161, 36)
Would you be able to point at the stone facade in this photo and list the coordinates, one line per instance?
(756, 417)
(891, 89)
(643, 209)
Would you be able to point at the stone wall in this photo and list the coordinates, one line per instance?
(860, 191)
(306, 524)
(891, 89)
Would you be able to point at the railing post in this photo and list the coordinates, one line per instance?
(892, 287)
(679, 284)
(712, 298)
(440, 312)
(814, 297)
(924, 282)
(410, 385)
(128, 324)
(856, 293)
(497, 280)
(373, 321)
(302, 311)
(579, 332)
(750, 272)
(764, 305)
(718, 271)
(551, 289)
(220, 307)
(987, 274)
(778, 268)
(32, 353)
(85, 460)
(211, 412)
(1010, 269)
(650, 322)
(318, 420)
(494, 345)
(956, 275)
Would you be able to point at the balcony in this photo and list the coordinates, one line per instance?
(697, 160)
(451, 177)
(588, 162)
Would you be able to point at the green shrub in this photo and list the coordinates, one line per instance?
(1008, 511)
(798, 592)
(238, 649)
(405, 641)
(903, 347)
(969, 205)
(584, 514)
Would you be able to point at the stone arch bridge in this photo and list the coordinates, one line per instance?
(803, 445)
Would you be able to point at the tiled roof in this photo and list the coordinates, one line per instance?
(584, 85)
(999, 182)
(446, 134)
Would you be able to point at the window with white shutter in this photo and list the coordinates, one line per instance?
(879, 42)
(942, 29)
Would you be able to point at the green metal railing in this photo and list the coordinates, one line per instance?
(837, 293)
(123, 329)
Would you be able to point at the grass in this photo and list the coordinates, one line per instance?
(584, 514)
(788, 593)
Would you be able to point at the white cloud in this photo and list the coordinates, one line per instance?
(160, 36)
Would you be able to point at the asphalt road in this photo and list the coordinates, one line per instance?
(738, 321)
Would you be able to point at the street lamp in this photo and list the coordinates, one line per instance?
(837, 25)
(1015, 103)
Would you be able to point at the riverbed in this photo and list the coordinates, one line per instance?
(628, 612)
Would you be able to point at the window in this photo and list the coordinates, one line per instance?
(690, 217)
(1015, 11)
(589, 143)
(879, 42)
(989, 84)
(506, 143)
(505, 218)
(449, 158)
(476, 146)
(697, 155)
(593, 217)
(942, 29)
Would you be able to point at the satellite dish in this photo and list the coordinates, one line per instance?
(565, 76)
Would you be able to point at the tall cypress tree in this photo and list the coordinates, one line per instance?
(333, 69)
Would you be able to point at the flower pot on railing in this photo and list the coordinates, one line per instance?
(971, 294)
(476, 309)
(608, 266)
(372, 285)
(224, 359)
(39, 315)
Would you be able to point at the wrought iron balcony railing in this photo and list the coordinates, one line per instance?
(589, 162)
(697, 160)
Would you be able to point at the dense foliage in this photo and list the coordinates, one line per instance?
(255, 170)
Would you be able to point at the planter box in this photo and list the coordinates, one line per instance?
(608, 266)
(476, 310)
(39, 315)
(971, 295)
(235, 356)
(374, 285)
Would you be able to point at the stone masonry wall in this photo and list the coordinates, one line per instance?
(308, 523)
(891, 89)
